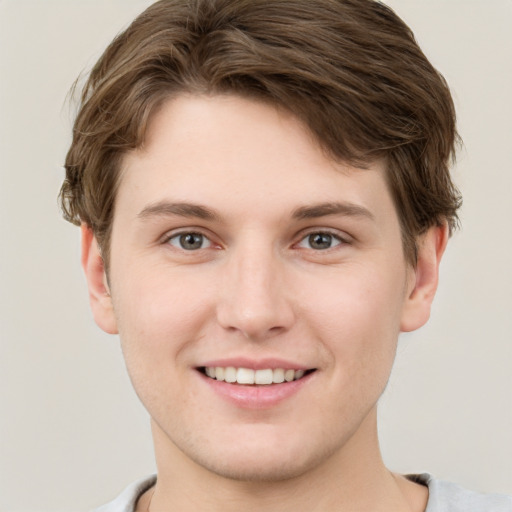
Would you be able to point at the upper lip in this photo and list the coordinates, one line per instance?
(255, 364)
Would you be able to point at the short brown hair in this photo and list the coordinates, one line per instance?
(351, 70)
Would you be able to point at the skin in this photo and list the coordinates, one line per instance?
(257, 288)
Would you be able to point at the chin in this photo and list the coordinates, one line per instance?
(261, 460)
(253, 469)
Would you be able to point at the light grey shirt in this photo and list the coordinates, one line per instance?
(443, 497)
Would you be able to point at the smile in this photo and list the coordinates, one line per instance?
(249, 376)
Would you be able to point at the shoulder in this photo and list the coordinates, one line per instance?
(449, 497)
(127, 500)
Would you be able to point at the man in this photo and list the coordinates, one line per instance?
(264, 195)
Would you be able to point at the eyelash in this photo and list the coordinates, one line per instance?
(179, 240)
(180, 236)
(333, 237)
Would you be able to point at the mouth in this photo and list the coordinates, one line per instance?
(250, 377)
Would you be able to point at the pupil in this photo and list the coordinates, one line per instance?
(320, 241)
(191, 241)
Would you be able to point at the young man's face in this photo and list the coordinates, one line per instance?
(237, 243)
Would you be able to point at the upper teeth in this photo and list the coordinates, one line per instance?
(248, 376)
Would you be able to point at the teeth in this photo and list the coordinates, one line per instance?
(263, 376)
(230, 374)
(289, 375)
(219, 373)
(278, 376)
(247, 376)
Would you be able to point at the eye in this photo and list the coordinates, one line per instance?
(320, 241)
(189, 241)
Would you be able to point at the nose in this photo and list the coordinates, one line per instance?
(255, 299)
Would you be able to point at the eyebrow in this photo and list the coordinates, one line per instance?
(332, 208)
(164, 209)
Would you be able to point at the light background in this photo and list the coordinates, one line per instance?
(72, 433)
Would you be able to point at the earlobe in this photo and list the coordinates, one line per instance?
(423, 283)
(99, 294)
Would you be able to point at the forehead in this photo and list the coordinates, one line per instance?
(238, 154)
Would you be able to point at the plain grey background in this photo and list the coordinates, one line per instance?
(72, 433)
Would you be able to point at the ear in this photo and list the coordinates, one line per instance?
(423, 278)
(99, 293)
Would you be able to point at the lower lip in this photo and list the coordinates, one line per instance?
(254, 396)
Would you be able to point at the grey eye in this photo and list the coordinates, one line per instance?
(319, 241)
(190, 241)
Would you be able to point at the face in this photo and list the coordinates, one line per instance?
(241, 253)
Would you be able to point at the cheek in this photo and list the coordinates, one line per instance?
(358, 297)
(159, 318)
(158, 313)
(357, 316)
